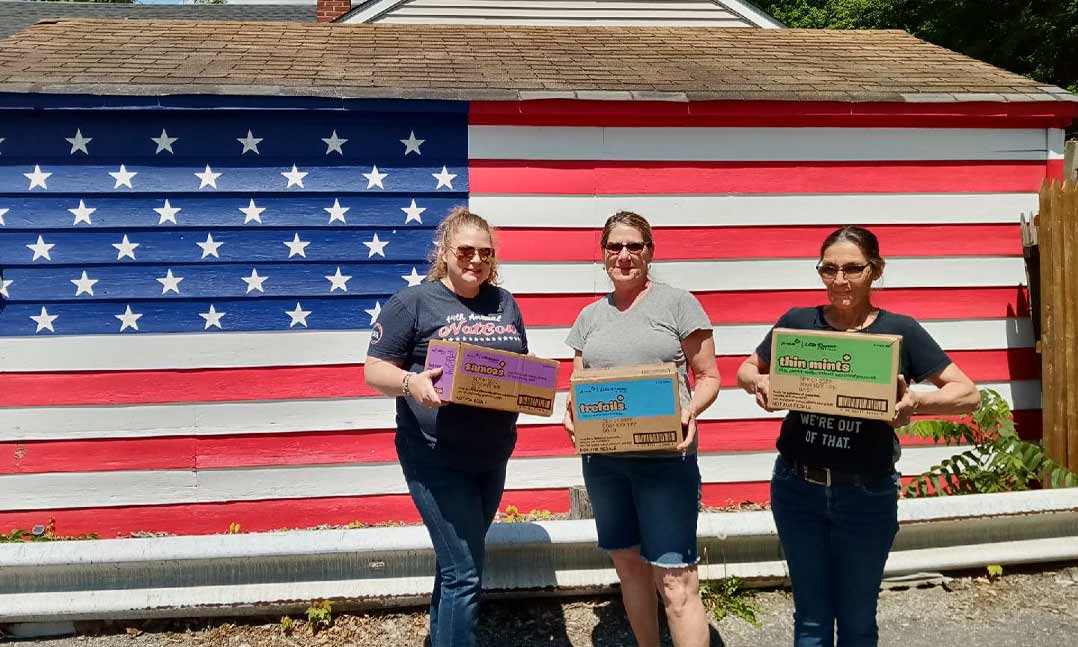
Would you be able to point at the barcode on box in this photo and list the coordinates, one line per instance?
(655, 438)
(860, 404)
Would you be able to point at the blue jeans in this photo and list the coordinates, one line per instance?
(836, 541)
(650, 503)
(457, 507)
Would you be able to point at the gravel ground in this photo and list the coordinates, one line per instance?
(1031, 608)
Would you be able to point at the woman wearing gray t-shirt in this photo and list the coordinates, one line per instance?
(646, 504)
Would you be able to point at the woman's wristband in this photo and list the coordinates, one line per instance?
(404, 384)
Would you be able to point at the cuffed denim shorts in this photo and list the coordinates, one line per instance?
(650, 503)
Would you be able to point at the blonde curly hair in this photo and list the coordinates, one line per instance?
(458, 218)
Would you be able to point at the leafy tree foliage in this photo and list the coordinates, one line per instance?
(1037, 38)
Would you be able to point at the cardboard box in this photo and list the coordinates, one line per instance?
(835, 373)
(493, 379)
(626, 409)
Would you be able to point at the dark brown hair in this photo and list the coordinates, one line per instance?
(458, 218)
(634, 220)
(865, 240)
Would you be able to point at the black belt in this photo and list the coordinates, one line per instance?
(829, 476)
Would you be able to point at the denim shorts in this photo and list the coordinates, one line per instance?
(650, 503)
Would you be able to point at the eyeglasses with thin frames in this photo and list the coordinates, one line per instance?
(851, 270)
(466, 253)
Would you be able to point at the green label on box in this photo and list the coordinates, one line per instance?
(855, 359)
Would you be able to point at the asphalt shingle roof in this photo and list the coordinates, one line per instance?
(16, 15)
(497, 62)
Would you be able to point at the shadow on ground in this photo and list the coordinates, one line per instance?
(592, 622)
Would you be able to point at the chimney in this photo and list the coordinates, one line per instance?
(330, 10)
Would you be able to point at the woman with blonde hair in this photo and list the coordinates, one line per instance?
(453, 456)
(646, 504)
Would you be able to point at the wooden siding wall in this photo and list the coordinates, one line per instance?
(683, 13)
(186, 426)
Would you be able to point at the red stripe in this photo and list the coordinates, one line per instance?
(261, 516)
(339, 447)
(1055, 170)
(196, 385)
(542, 310)
(335, 381)
(1001, 365)
(714, 436)
(557, 112)
(279, 514)
(661, 178)
(691, 243)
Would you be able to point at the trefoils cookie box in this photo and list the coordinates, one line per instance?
(836, 373)
(626, 409)
(493, 379)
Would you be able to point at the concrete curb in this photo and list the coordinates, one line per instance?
(275, 573)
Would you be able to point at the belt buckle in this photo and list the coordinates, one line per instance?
(810, 471)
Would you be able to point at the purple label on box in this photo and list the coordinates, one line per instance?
(519, 370)
(445, 358)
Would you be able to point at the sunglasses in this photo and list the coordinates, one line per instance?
(633, 247)
(467, 253)
(851, 271)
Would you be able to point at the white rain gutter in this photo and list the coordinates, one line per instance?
(274, 573)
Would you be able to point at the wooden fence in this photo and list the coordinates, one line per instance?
(1057, 238)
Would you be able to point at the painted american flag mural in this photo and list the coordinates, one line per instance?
(188, 294)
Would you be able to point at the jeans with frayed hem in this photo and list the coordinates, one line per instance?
(457, 507)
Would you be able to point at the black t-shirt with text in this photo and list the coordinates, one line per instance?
(847, 443)
(462, 436)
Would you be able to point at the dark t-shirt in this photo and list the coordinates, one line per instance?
(458, 435)
(846, 443)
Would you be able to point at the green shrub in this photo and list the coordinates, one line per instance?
(996, 459)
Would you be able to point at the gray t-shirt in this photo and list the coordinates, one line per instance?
(650, 332)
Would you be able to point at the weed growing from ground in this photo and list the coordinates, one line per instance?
(319, 615)
(727, 597)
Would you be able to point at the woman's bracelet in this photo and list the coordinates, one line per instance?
(404, 384)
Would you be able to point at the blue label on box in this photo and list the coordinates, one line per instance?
(628, 399)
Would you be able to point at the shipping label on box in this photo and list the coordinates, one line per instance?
(626, 409)
(837, 373)
(493, 379)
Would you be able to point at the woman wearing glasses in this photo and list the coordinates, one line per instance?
(453, 456)
(834, 491)
(646, 504)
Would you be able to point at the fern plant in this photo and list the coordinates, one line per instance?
(996, 459)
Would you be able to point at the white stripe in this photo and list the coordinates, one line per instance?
(1056, 142)
(556, 211)
(754, 144)
(146, 352)
(965, 334)
(286, 416)
(172, 487)
(314, 348)
(770, 274)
